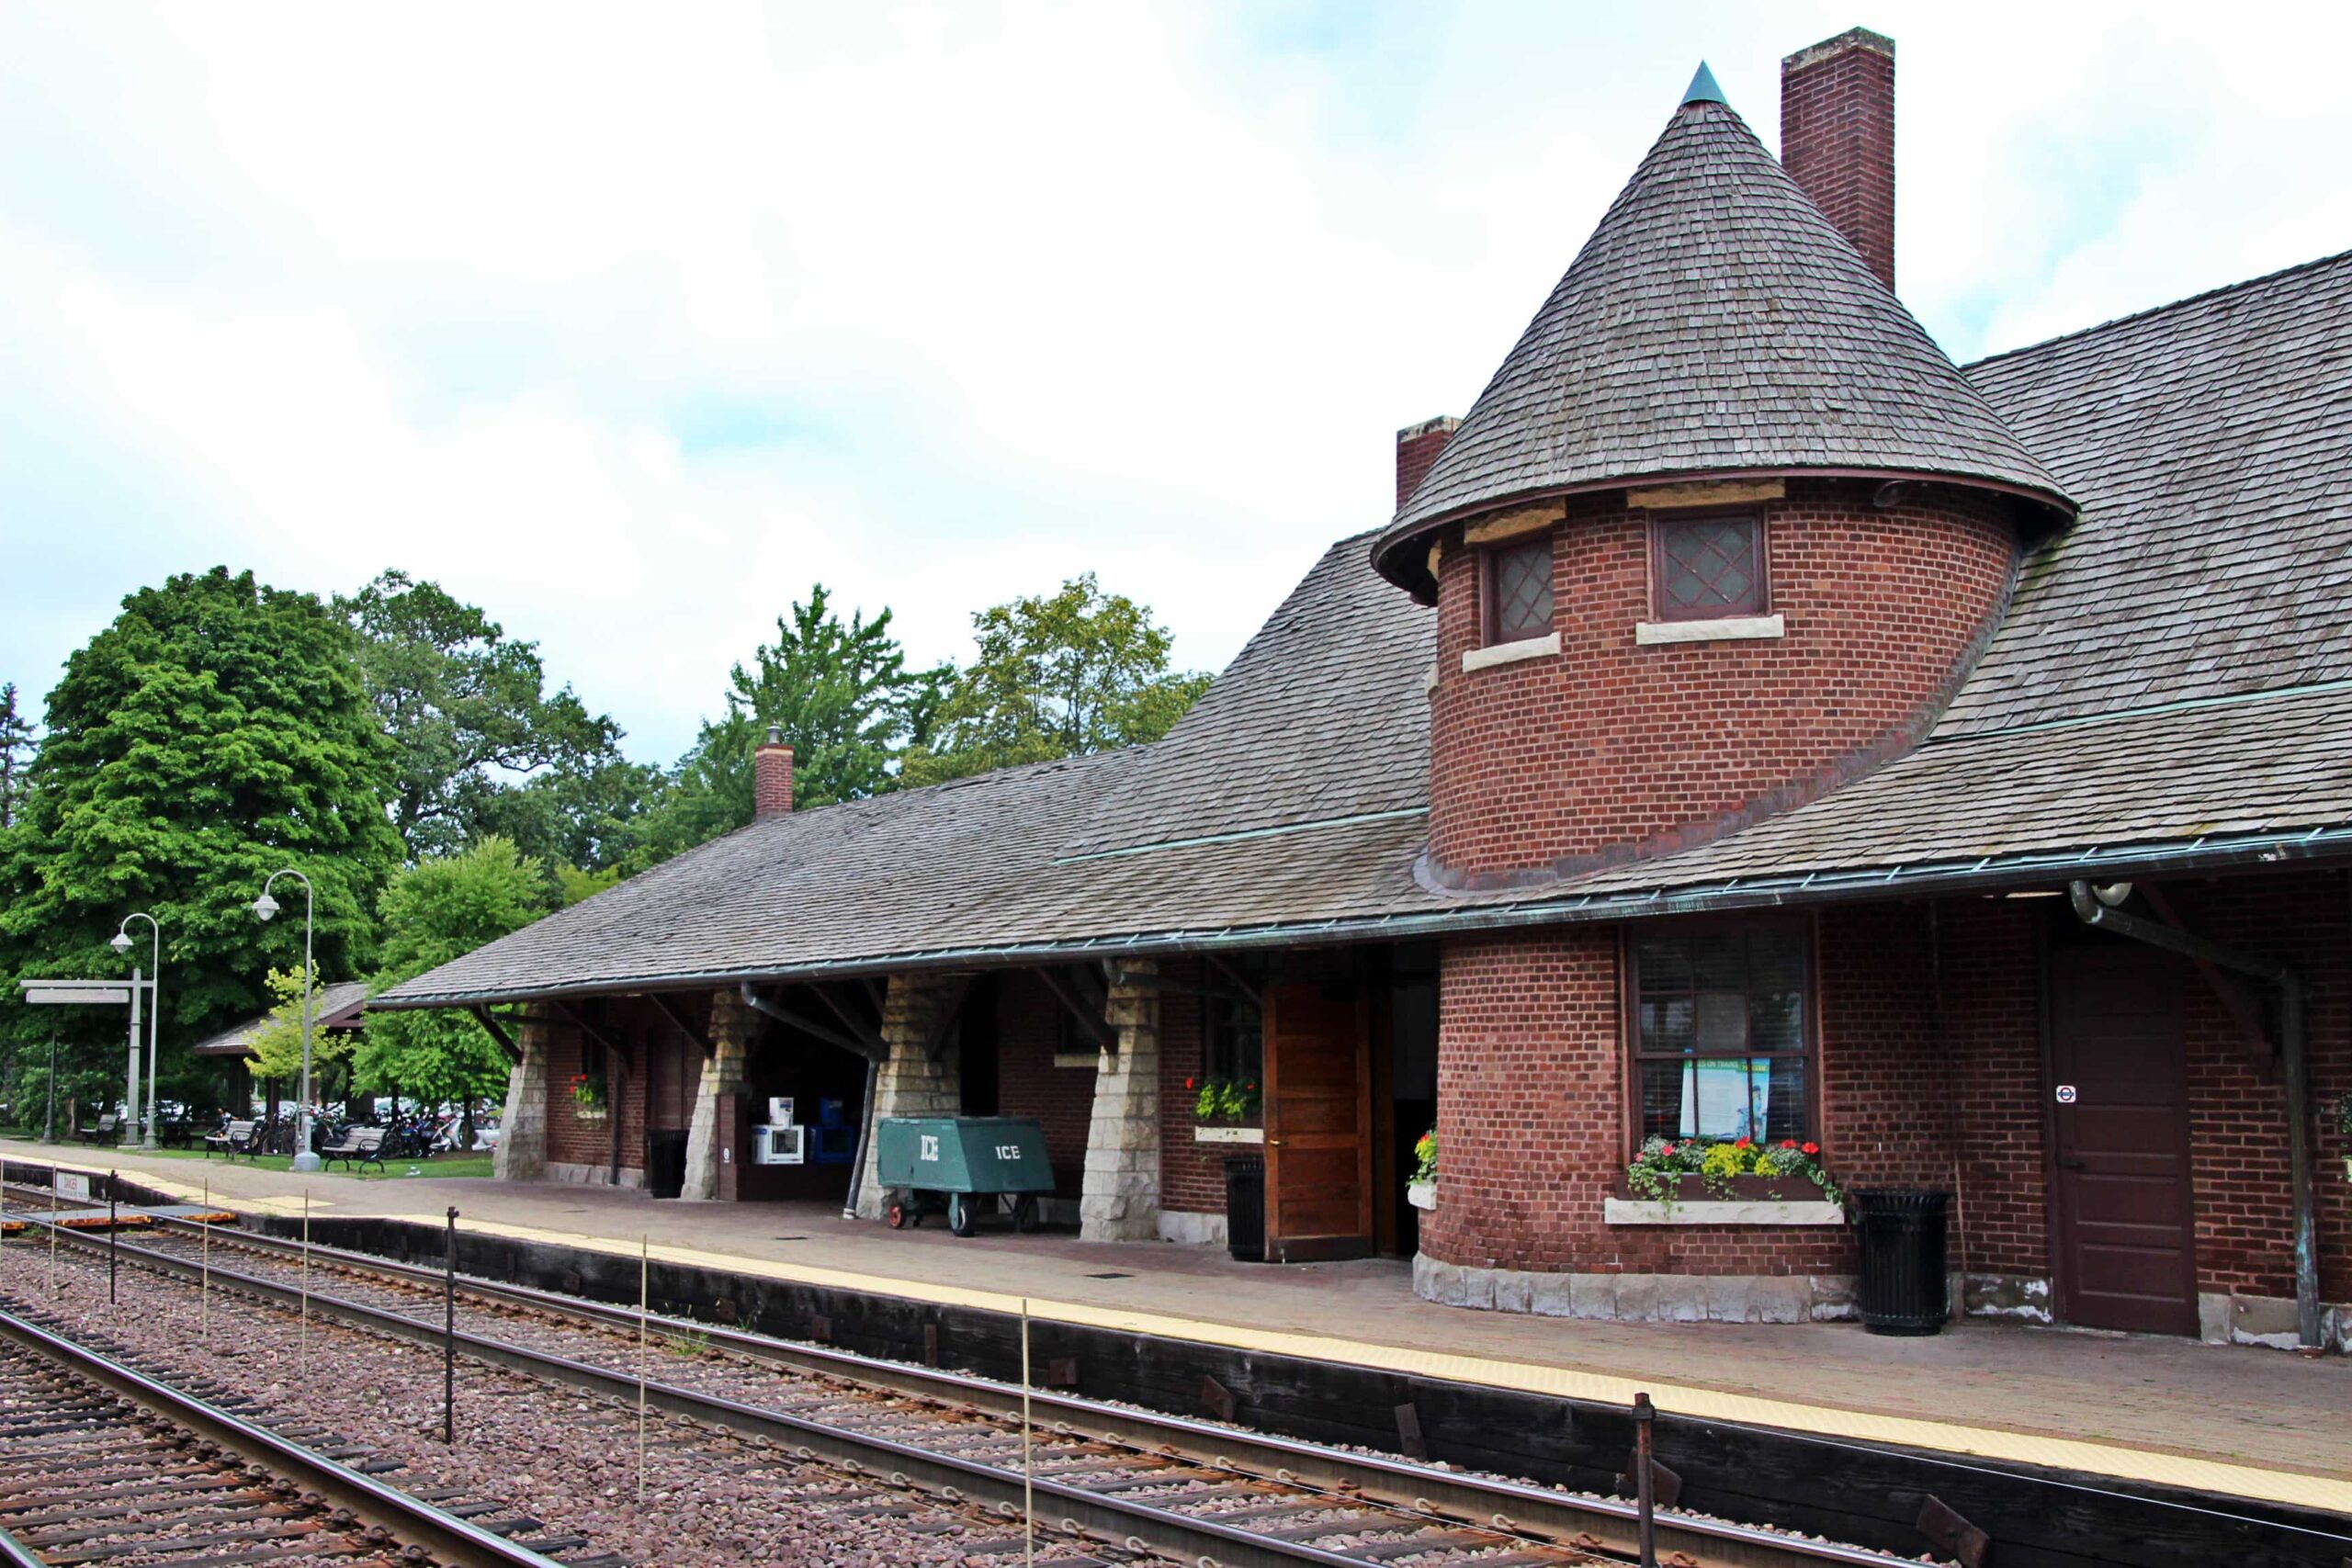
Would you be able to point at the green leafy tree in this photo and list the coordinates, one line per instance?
(433, 911)
(1059, 675)
(17, 750)
(467, 707)
(276, 1046)
(216, 731)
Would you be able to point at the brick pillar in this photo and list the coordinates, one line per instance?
(712, 1126)
(910, 1083)
(522, 1154)
(1417, 450)
(1119, 1197)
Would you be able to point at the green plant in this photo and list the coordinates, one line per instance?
(1656, 1172)
(588, 1091)
(685, 1347)
(1425, 1156)
(1219, 1100)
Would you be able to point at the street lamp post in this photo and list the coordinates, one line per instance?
(121, 944)
(265, 906)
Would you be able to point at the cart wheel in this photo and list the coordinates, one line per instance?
(1024, 1213)
(959, 1213)
(897, 1216)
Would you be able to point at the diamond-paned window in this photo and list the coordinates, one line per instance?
(1518, 590)
(1709, 567)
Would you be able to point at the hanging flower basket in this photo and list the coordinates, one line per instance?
(588, 1103)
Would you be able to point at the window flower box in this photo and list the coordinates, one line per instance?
(1218, 1135)
(1743, 1200)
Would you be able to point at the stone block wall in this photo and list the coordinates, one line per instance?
(909, 1082)
(1120, 1200)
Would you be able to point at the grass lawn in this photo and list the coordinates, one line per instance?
(441, 1166)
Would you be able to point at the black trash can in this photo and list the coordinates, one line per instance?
(665, 1174)
(1905, 1288)
(1245, 1207)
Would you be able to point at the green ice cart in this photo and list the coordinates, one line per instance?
(951, 1164)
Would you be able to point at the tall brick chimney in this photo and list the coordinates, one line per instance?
(772, 777)
(1416, 447)
(1838, 138)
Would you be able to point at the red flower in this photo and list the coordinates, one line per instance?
(1668, 1150)
(1744, 1143)
(1811, 1148)
(1788, 1143)
(1192, 1083)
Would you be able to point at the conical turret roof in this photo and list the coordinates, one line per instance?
(1715, 323)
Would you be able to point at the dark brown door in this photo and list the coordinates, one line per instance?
(1319, 1125)
(2122, 1212)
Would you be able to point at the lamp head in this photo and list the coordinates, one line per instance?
(120, 941)
(266, 906)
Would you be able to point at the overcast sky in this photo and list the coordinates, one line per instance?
(629, 323)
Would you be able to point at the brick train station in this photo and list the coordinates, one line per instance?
(1750, 726)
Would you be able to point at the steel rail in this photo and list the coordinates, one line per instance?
(449, 1539)
(1451, 1497)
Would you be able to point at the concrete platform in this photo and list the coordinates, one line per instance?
(2249, 1422)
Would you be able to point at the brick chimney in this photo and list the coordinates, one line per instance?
(1838, 138)
(1416, 447)
(772, 777)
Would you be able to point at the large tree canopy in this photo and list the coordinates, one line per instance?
(1058, 675)
(434, 912)
(467, 708)
(842, 695)
(215, 732)
(15, 753)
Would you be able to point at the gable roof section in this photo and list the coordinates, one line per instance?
(2210, 443)
(340, 1006)
(1715, 322)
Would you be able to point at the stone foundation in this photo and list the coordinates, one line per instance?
(1639, 1298)
(631, 1179)
(1188, 1229)
(2233, 1318)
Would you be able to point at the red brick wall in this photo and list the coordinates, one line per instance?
(1028, 1084)
(1557, 764)
(572, 1141)
(1838, 139)
(1531, 1075)
(771, 779)
(1192, 1176)
(1417, 450)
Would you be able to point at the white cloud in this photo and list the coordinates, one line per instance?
(629, 324)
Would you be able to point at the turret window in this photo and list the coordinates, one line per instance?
(1516, 584)
(1708, 567)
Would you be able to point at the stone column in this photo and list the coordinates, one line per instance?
(730, 1033)
(522, 1153)
(910, 1083)
(1119, 1198)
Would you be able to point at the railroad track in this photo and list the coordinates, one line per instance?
(101, 1462)
(1208, 1494)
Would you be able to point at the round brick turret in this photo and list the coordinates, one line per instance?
(1619, 745)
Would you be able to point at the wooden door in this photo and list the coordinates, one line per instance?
(2122, 1212)
(1319, 1125)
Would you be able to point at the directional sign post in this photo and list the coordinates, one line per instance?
(97, 993)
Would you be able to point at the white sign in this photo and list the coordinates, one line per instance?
(2065, 1094)
(929, 1145)
(61, 993)
(72, 1184)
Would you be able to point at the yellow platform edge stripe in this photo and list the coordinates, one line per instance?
(1946, 1436)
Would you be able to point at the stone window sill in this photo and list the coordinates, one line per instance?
(1228, 1135)
(1730, 628)
(1077, 1058)
(1718, 1211)
(1545, 646)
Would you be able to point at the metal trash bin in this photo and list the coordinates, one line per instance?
(1245, 1207)
(1904, 1286)
(951, 1164)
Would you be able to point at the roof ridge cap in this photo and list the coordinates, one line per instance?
(2314, 264)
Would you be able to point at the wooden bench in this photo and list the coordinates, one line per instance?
(108, 1125)
(362, 1146)
(236, 1138)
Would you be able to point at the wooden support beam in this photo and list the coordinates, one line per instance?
(689, 1031)
(852, 1018)
(1257, 998)
(1090, 1021)
(492, 1027)
(2236, 999)
(943, 1024)
(612, 1047)
(871, 1051)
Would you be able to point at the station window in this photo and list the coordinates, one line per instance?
(1235, 1046)
(1722, 1042)
(1708, 567)
(1515, 585)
